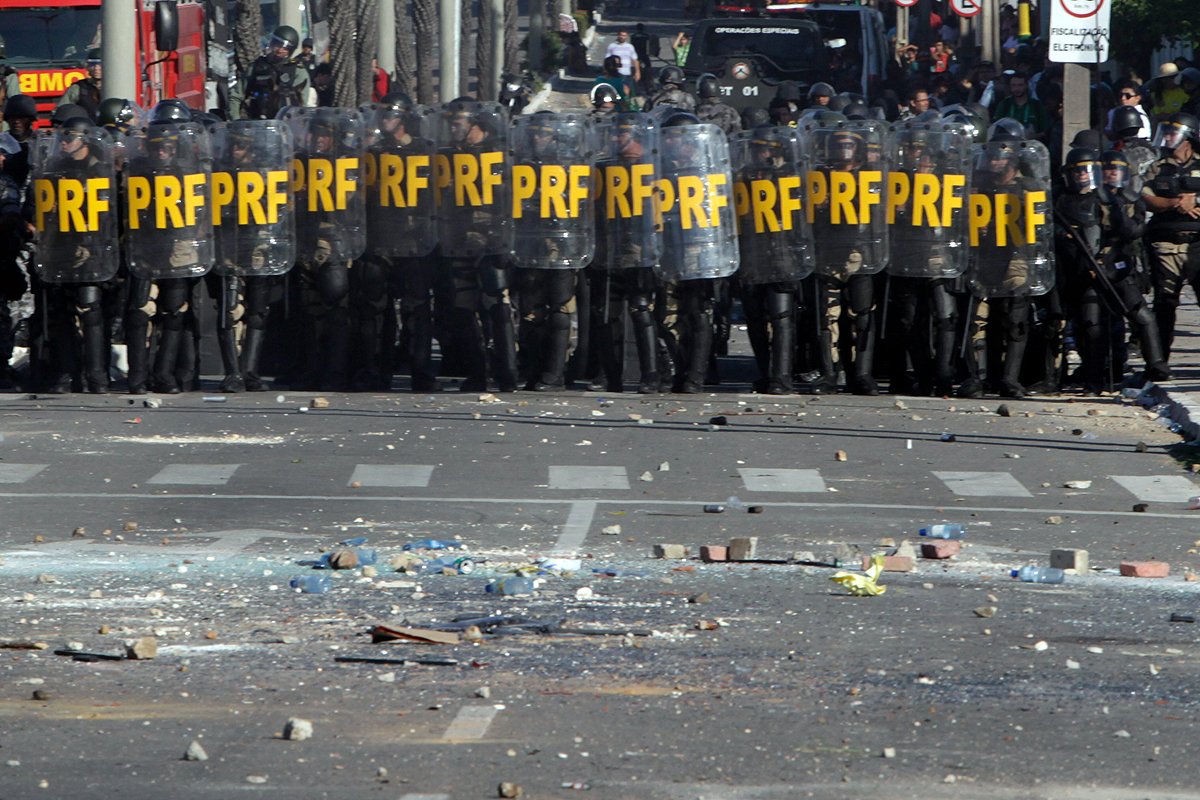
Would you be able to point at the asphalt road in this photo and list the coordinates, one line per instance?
(796, 691)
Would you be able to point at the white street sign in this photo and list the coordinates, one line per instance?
(1079, 31)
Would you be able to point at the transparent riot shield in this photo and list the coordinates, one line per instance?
(1011, 222)
(399, 174)
(775, 239)
(168, 202)
(696, 205)
(846, 188)
(473, 179)
(330, 196)
(554, 212)
(254, 217)
(928, 185)
(627, 232)
(75, 206)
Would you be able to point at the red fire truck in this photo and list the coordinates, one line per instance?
(47, 41)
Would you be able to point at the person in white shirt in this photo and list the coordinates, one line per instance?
(1129, 93)
(630, 69)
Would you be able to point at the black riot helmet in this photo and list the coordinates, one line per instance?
(603, 94)
(680, 119)
(976, 126)
(284, 36)
(66, 112)
(1115, 167)
(77, 125)
(1081, 170)
(855, 111)
(754, 116)
(117, 111)
(1175, 129)
(1006, 129)
(671, 76)
(171, 110)
(20, 105)
(707, 86)
(820, 89)
(396, 103)
(843, 146)
(789, 92)
(1125, 122)
(838, 102)
(827, 117)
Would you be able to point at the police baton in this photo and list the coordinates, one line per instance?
(1096, 271)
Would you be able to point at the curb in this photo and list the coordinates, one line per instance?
(540, 98)
(1178, 411)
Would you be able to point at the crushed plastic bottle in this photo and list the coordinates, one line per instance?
(312, 584)
(433, 544)
(434, 566)
(512, 585)
(735, 504)
(945, 531)
(1194, 502)
(1039, 574)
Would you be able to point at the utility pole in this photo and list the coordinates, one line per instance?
(1076, 102)
(988, 24)
(537, 27)
(117, 46)
(497, 20)
(902, 24)
(450, 20)
(290, 14)
(386, 49)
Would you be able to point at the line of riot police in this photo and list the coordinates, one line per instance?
(929, 240)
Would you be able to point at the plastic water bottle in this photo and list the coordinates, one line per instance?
(434, 566)
(735, 504)
(312, 584)
(1039, 574)
(945, 531)
(431, 544)
(1194, 502)
(513, 585)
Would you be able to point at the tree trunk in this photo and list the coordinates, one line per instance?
(483, 53)
(512, 47)
(247, 35)
(425, 30)
(366, 48)
(343, 29)
(406, 57)
(466, 11)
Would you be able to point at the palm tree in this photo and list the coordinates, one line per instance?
(425, 29)
(406, 57)
(247, 35)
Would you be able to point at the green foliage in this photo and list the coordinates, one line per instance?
(553, 52)
(1139, 27)
(584, 20)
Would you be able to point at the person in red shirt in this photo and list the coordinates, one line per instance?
(381, 81)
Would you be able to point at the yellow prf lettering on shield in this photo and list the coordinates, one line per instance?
(524, 179)
(193, 201)
(842, 187)
(277, 194)
(553, 192)
(868, 184)
(789, 203)
(138, 190)
(250, 191)
(223, 188)
(1016, 218)
(741, 202)
(466, 178)
(817, 186)
(1033, 217)
(168, 193)
(951, 201)
(980, 216)
(390, 177)
(763, 196)
(96, 203)
(716, 200)
(899, 187)
(579, 181)
(442, 176)
(616, 192)
(320, 184)
(78, 203)
(416, 177)
(691, 202)
(43, 196)
(344, 185)
(926, 190)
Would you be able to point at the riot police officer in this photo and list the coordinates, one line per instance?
(711, 109)
(85, 92)
(1173, 235)
(671, 93)
(273, 81)
(1097, 223)
(1124, 127)
(401, 237)
(475, 236)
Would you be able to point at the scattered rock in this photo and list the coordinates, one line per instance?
(611, 530)
(900, 405)
(41, 695)
(1078, 484)
(892, 563)
(584, 593)
(80, 531)
(1041, 646)
(1145, 569)
(664, 466)
(1141, 508)
(319, 402)
(210, 635)
(1004, 410)
(1054, 519)
(298, 729)
(1141, 447)
(949, 437)
(646, 477)
(987, 612)
(152, 402)
(38, 539)
(705, 625)
(131, 526)
(483, 691)
(743, 548)
(196, 753)
(1071, 664)
(256, 779)
(886, 541)
(889, 752)
(104, 630)
(713, 552)
(840, 455)
(46, 577)
(1097, 412)
(343, 559)
(670, 551)
(719, 420)
(1191, 577)
(355, 484)
(143, 649)
(509, 789)
(905, 550)
(700, 599)
(1122, 734)
(1070, 559)
(941, 549)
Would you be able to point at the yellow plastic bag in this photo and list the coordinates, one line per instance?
(863, 585)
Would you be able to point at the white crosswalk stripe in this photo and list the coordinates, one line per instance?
(781, 480)
(1158, 488)
(195, 474)
(472, 722)
(588, 478)
(19, 473)
(392, 475)
(983, 484)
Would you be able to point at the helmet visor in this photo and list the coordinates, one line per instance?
(1084, 176)
(1116, 174)
(1171, 135)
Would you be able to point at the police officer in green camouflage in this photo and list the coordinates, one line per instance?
(273, 82)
